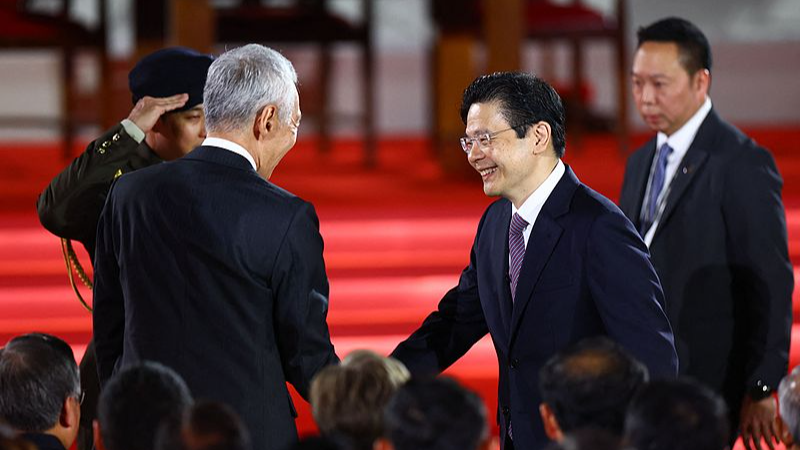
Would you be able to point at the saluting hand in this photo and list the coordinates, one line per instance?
(147, 110)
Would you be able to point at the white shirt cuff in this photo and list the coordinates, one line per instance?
(133, 130)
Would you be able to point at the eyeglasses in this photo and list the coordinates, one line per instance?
(295, 123)
(79, 397)
(484, 140)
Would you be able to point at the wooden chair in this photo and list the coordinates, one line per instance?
(310, 22)
(548, 22)
(578, 24)
(21, 27)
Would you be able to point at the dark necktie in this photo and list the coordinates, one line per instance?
(656, 186)
(516, 250)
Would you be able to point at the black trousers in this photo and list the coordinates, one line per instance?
(90, 385)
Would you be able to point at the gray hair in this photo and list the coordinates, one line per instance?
(241, 82)
(37, 373)
(789, 399)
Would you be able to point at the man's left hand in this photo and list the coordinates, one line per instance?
(758, 420)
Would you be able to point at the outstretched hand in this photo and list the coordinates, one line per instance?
(147, 110)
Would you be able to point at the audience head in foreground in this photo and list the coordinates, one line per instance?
(589, 438)
(434, 413)
(135, 402)
(589, 384)
(348, 400)
(206, 425)
(789, 401)
(675, 414)
(40, 392)
(397, 373)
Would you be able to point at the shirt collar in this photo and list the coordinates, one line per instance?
(682, 139)
(533, 205)
(230, 146)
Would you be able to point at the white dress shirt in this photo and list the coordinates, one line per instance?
(230, 146)
(531, 208)
(133, 130)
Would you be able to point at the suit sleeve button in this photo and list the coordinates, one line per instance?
(514, 363)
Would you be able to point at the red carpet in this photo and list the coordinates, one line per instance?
(396, 239)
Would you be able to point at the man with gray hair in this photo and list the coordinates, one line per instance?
(789, 417)
(204, 265)
(40, 391)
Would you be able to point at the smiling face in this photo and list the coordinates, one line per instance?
(507, 165)
(665, 94)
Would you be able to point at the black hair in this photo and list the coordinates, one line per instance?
(207, 425)
(135, 402)
(524, 100)
(695, 52)
(318, 443)
(677, 414)
(588, 438)
(435, 413)
(590, 384)
(37, 373)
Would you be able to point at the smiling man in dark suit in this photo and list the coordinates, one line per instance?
(552, 262)
(707, 200)
(205, 266)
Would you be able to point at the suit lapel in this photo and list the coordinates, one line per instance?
(543, 240)
(639, 177)
(499, 264)
(501, 260)
(691, 164)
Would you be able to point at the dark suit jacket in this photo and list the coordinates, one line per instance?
(206, 267)
(43, 441)
(586, 272)
(721, 253)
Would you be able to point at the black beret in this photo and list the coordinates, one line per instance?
(171, 71)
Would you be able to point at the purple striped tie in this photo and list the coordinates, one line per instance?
(516, 250)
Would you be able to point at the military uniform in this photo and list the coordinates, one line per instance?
(70, 206)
